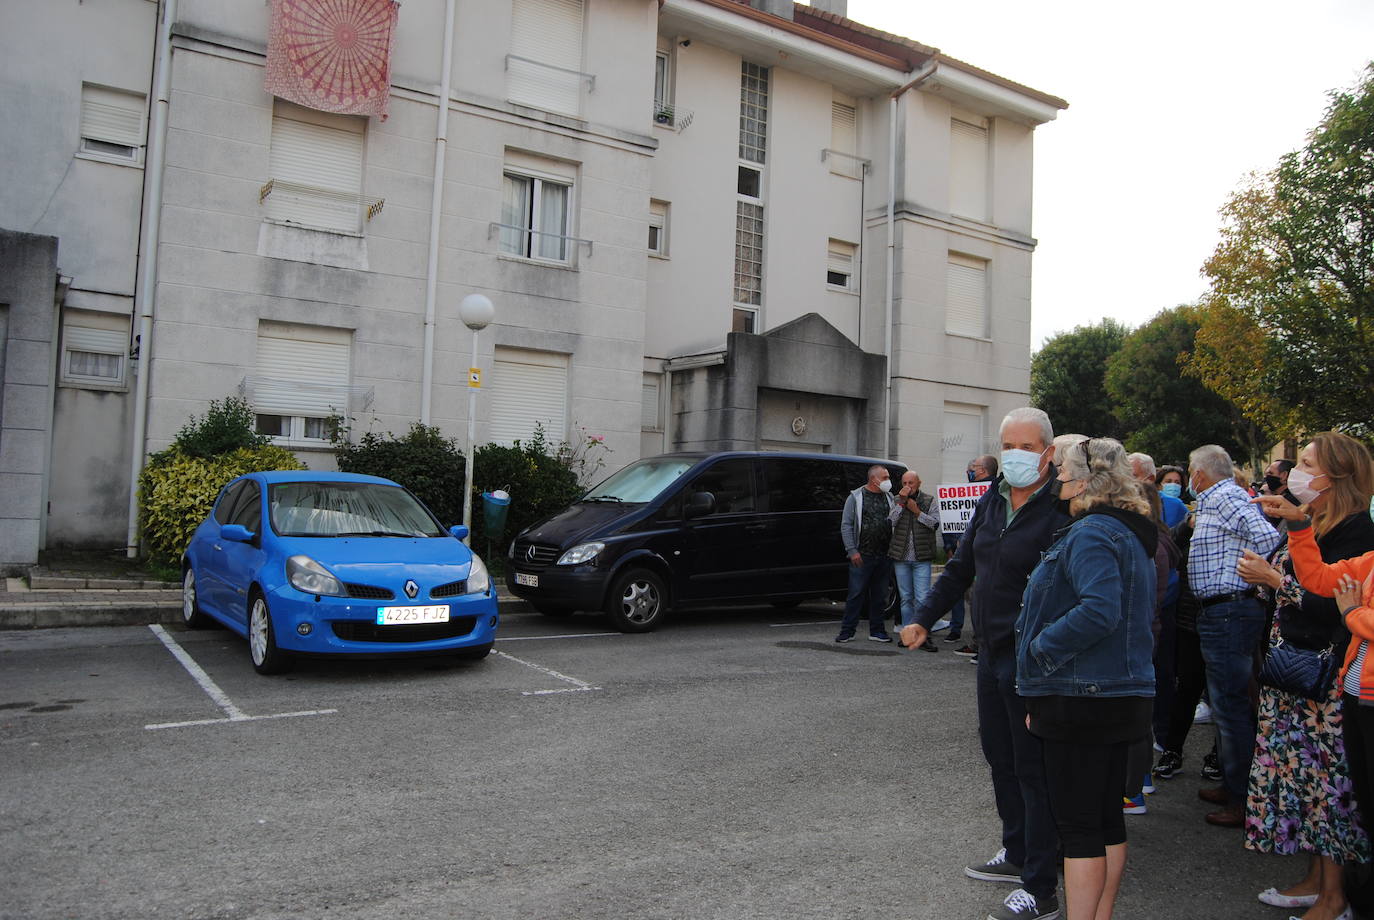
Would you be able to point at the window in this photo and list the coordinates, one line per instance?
(247, 511)
(966, 296)
(224, 507)
(968, 167)
(528, 388)
(316, 169)
(112, 124)
(95, 349)
(731, 482)
(961, 439)
(658, 228)
(651, 407)
(753, 112)
(839, 264)
(545, 63)
(805, 485)
(663, 88)
(301, 380)
(536, 207)
(844, 140)
(748, 265)
(749, 183)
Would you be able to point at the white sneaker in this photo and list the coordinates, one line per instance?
(940, 624)
(1203, 714)
(1273, 898)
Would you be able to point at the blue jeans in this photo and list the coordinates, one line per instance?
(956, 617)
(1018, 773)
(1228, 633)
(913, 583)
(867, 590)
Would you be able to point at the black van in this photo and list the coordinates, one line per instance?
(685, 529)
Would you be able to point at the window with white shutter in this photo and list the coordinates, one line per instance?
(112, 124)
(966, 296)
(316, 169)
(651, 409)
(844, 140)
(968, 169)
(658, 228)
(300, 381)
(544, 67)
(839, 264)
(961, 439)
(528, 388)
(95, 349)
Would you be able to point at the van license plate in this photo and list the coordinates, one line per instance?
(529, 581)
(400, 616)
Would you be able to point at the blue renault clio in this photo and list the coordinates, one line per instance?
(310, 563)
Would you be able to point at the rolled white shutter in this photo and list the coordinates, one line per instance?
(317, 175)
(548, 32)
(962, 440)
(649, 407)
(968, 170)
(112, 116)
(528, 388)
(966, 296)
(300, 378)
(844, 138)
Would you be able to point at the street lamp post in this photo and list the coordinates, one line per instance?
(476, 312)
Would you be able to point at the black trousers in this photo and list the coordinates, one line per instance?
(1085, 782)
(1191, 680)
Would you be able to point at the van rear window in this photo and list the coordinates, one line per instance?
(796, 484)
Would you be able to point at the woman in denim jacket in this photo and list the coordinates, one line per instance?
(1083, 664)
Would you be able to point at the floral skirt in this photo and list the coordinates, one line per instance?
(1300, 797)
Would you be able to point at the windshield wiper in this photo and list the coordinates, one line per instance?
(375, 533)
(606, 498)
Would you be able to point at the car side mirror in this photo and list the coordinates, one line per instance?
(459, 532)
(236, 532)
(700, 504)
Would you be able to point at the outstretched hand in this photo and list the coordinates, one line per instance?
(914, 635)
(1280, 507)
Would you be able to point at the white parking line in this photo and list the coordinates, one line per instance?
(580, 686)
(566, 636)
(232, 712)
(811, 623)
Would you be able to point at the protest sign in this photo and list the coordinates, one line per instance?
(956, 502)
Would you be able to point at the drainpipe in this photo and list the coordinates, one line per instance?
(435, 213)
(926, 73)
(145, 290)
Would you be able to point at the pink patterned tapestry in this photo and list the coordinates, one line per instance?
(332, 55)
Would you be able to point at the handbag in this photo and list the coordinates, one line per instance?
(1307, 672)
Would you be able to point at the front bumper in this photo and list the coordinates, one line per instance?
(574, 587)
(348, 625)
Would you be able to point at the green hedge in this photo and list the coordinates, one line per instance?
(177, 490)
(422, 460)
(539, 484)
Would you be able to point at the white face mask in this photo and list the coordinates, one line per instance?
(885, 485)
(1300, 484)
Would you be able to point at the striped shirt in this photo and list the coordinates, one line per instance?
(1352, 673)
(1226, 524)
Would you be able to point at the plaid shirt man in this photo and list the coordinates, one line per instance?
(1226, 523)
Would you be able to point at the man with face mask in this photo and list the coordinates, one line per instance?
(866, 531)
(1276, 483)
(1014, 523)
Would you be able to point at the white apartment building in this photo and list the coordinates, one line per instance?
(681, 210)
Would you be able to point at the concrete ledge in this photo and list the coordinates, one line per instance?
(47, 616)
(76, 583)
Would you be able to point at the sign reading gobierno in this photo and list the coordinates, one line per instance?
(956, 501)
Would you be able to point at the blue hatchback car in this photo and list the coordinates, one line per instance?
(310, 563)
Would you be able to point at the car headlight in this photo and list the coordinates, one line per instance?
(582, 552)
(308, 576)
(479, 580)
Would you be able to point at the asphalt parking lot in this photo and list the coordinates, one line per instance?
(735, 764)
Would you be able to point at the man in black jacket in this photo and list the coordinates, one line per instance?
(1015, 522)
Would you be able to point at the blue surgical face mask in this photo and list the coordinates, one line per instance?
(1172, 489)
(1021, 467)
(972, 476)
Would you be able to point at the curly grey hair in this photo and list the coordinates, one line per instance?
(1101, 465)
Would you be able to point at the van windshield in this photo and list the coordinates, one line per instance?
(642, 481)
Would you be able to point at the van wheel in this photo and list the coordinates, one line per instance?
(637, 602)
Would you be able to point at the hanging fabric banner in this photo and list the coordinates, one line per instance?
(332, 55)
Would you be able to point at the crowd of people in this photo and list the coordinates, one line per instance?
(1112, 602)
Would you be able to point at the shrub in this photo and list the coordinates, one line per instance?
(177, 490)
(226, 426)
(422, 460)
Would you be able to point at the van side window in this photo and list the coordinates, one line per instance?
(805, 485)
(732, 483)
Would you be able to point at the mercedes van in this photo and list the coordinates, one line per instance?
(690, 529)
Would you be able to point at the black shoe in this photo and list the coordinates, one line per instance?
(928, 645)
(952, 636)
(1170, 762)
(1211, 768)
(845, 637)
(880, 637)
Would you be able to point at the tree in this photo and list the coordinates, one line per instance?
(1292, 280)
(1066, 379)
(1166, 411)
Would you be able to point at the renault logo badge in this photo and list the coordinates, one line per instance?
(412, 589)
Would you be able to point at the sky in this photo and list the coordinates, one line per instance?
(1171, 106)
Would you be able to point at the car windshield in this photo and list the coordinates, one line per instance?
(642, 481)
(348, 509)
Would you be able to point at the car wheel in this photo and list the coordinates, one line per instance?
(191, 615)
(262, 639)
(475, 653)
(557, 613)
(637, 602)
